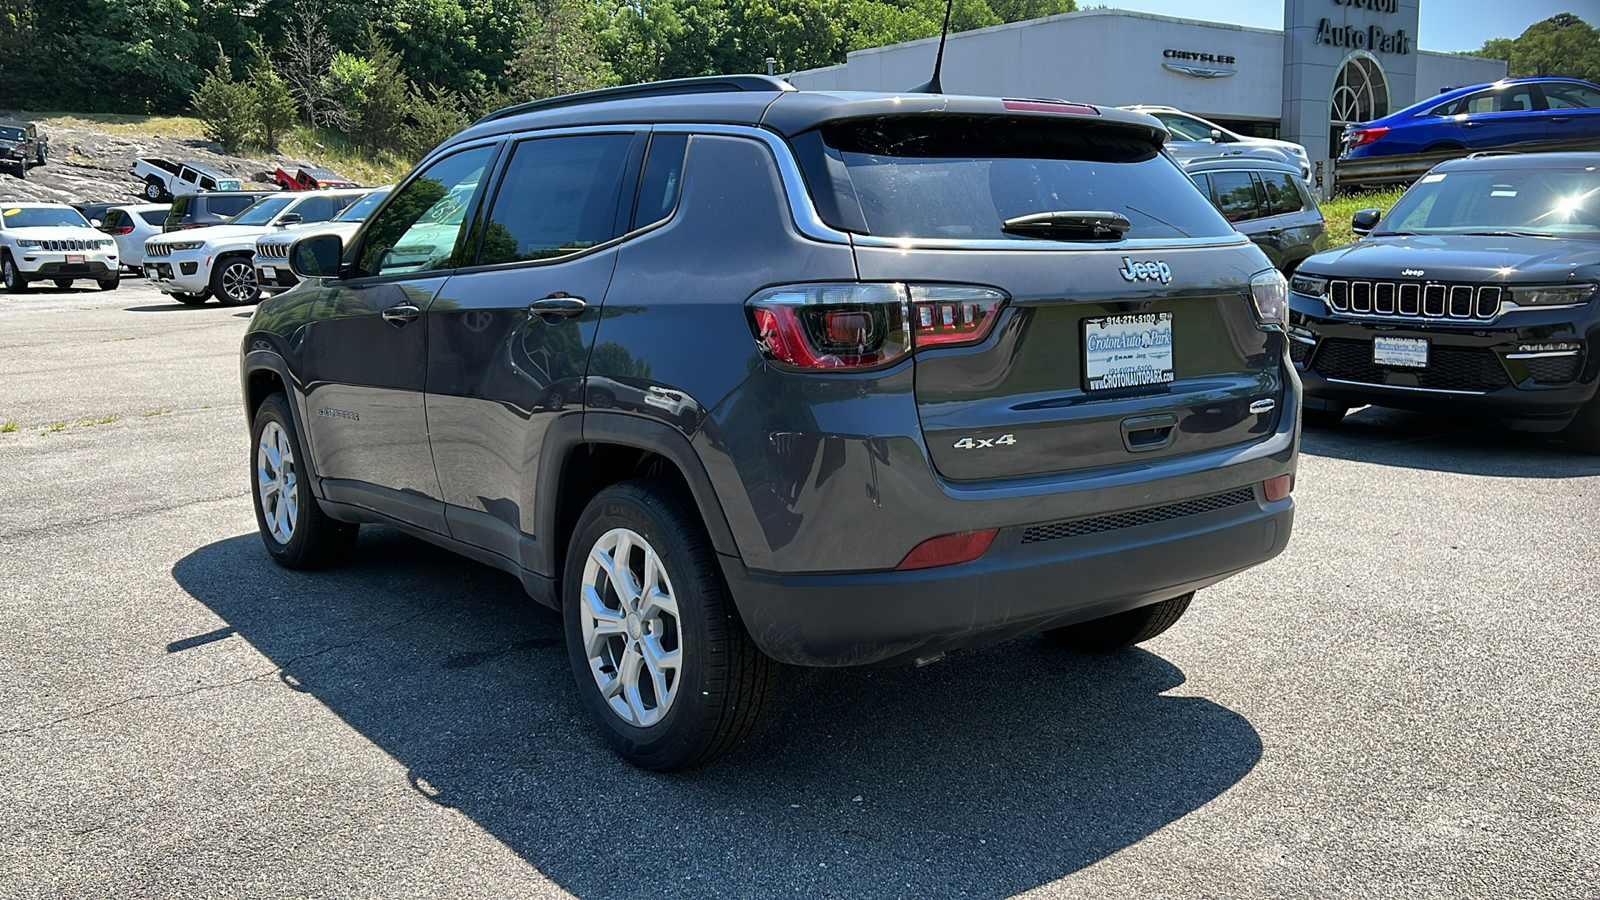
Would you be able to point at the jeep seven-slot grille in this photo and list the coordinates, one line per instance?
(1055, 531)
(1415, 300)
(272, 251)
(157, 249)
(68, 245)
(1474, 369)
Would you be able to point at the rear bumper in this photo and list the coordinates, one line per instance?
(1013, 589)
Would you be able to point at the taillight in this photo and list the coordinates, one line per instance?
(855, 326)
(1277, 487)
(122, 229)
(1366, 135)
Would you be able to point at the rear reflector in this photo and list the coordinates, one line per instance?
(948, 549)
(1277, 488)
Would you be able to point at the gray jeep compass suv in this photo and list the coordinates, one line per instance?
(736, 375)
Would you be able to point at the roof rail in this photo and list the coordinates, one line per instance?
(711, 84)
(1482, 153)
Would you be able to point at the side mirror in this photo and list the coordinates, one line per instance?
(1216, 136)
(1364, 220)
(290, 219)
(317, 256)
(95, 223)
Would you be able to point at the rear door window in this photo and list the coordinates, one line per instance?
(663, 179)
(1235, 195)
(961, 177)
(229, 206)
(1282, 194)
(1571, 96)
(558, 197)
(319, 208)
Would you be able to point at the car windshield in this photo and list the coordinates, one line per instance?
(966, 177)
(43, 217)
(357, 211)
(262, 212)
(12, 134)
(1564, 202)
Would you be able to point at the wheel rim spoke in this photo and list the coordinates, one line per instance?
(276, 483)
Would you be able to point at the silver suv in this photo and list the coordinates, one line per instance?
(1197, 138)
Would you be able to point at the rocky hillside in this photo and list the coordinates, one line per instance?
(89, 161)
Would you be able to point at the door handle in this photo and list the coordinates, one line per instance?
(1471, 124)
(1561, 119)
(559, 305)
(402, 315)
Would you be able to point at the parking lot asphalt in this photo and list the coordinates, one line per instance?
(1404, 704)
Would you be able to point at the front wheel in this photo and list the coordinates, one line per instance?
(662, 660)
(16, 282)
(190, 299)
(63, 283)
(234, 281)
(110, 284)
(1123, 629)
(297, 533)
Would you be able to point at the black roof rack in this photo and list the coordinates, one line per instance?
(711, 84)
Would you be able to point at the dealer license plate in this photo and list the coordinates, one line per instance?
(74, 257)
(269, 272)
(1399, 351)
(1127, 351)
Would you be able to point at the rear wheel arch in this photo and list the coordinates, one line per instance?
(585, 454)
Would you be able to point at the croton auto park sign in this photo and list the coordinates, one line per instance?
(1373, 37)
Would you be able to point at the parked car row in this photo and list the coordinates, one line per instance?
(164, 179)
(1519, 113)
(53, 242)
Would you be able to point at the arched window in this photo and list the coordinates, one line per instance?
(1360, 94)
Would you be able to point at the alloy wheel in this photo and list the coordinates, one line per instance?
(9, 272)
(631, 631)
(239, 282)
(277, 482)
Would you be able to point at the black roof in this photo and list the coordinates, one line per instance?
(1512, 160)
(762, 101)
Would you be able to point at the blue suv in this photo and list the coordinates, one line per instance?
(1512, 113)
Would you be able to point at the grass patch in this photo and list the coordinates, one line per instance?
(1337, 212)
(54, 427)
(103, 420)
(10, 426)
(156, 412)
(116, 123)
(334, 149)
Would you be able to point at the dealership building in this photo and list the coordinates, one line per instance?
(1335, 62)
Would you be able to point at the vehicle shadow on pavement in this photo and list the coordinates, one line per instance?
(174, 306)
(987, 774)
(1445, 443)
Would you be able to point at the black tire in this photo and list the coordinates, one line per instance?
(190, 299)
(1583, 433)
(40, 160)
(14, 280)
(724, 683)
(1124, 629)
(154, 190)
(62, 283)
(228, 275)
(314, 538)
(110, 284)
(1323, 418)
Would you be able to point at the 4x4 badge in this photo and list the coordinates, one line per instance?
(1145, 271)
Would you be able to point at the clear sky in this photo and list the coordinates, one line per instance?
(1443, 25)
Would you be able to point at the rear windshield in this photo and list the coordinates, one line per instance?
(962, 177)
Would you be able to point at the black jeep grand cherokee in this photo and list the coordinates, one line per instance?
(736, 375)
(1476, 292)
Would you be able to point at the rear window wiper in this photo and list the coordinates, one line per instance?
(1100, 225)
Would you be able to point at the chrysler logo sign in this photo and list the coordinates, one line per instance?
(1198, 65)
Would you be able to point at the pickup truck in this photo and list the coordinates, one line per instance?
(303, 179)
(163, 178)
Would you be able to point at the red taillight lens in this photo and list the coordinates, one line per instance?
(852, 326)
(122, 229)
(1277, 488)
(1366, 135)
(187, 225)
(948, 549)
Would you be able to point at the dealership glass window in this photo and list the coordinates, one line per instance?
(1235, 194)
(1571, 96)
(1282, 194)
(558, 197)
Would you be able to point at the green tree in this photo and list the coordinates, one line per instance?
(275, 106)
(386, 99)
(1562, 46)
(344, 91)
(226, 107)
(558, 51)
(436, 114)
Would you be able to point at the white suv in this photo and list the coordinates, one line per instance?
(194, 265)
(1196, 138)
(272, 250)
(54, 242)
